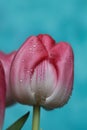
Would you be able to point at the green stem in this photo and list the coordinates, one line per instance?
(36, 118)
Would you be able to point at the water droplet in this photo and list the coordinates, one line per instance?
(28, 71)
(30, 49)
(21, 80)
(34, 45)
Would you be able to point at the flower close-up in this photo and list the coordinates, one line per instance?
(43, 60)
(42, 72)
(39, 73)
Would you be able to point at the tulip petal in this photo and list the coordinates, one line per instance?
(6, 60)
(44, 81)
(2, 94)
(27, 58)
(47, 41)
(62, 56)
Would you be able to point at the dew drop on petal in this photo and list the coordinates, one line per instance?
(21, 80)
(34, 45)
(28, 71)
(30, 49)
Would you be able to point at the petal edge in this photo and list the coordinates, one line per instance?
(2, 94)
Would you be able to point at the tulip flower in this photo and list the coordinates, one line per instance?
(42, 73)
(6, 97)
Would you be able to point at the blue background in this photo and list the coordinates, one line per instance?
(64, 20)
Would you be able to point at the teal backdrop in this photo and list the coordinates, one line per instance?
(64, 20)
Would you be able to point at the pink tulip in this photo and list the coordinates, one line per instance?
(6, 60)
(6, 97)
(42, 72)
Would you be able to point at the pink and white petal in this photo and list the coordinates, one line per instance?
(47, 41)
(44, 81)
(27, 58)
(64, 62)
(6, 60)
(2, 95)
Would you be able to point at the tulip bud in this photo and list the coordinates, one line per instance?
(6, 60)
(42, 72)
